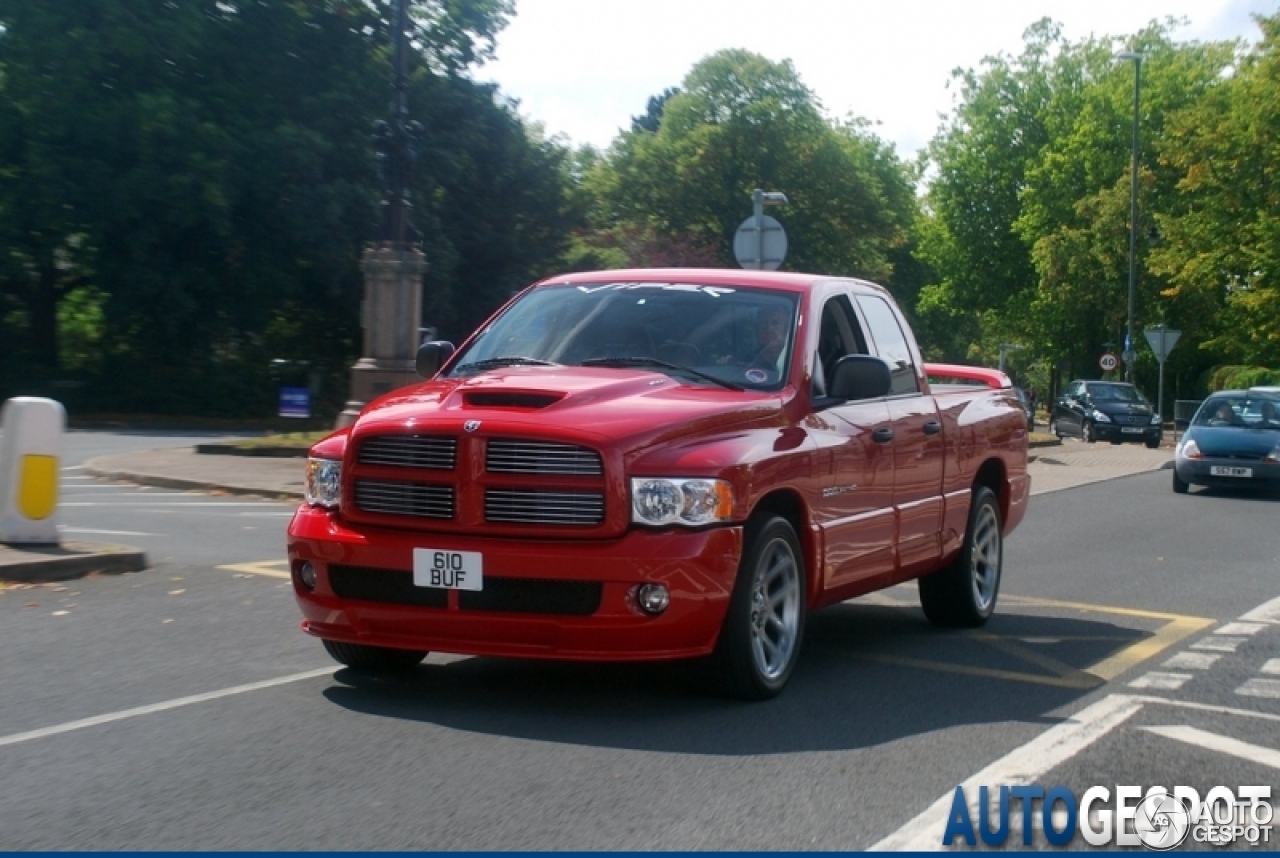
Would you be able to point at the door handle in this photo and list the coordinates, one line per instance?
(933, 427)
(883, 435)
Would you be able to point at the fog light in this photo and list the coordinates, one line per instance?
(653, 598)
(307, 575)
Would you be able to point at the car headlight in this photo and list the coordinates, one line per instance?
(324, 482)
(1099, 417)
(1155, 419)
(1188, 449)
(1274, 456)
(661, 500)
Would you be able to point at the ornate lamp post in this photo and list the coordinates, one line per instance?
(393, 262)
(1133, 213)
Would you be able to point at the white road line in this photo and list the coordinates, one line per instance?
(66, 529)
(72, 468)
(1269, 688)
(1192, 661)
(1221, 744)
(1267, 612)
(1161, 681)
(1240, 629)
(1272, 666)
(1219, 644)
(108, 718)
(1022, 765)
(1207, 707)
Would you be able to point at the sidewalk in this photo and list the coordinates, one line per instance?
(1052, 468)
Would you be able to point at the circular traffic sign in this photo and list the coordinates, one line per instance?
(760, 246)
(1108, 362)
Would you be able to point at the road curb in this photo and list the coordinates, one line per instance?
(31, 564)
(163, 482)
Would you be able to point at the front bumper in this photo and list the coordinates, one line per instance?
(1199, 472)
(542, 600)
(1115, 432)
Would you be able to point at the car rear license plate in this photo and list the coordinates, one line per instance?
(1228, 471)
(1131, 430)
(448, 570)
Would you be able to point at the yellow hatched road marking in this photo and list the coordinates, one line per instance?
(269, 568)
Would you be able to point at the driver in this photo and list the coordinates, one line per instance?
(773, 324)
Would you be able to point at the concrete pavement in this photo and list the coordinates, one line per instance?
(1052, 468)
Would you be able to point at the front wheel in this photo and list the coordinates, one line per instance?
(760, 639)
(1054, 430)
(373, 659)
(1153, 443)
(1089, 434)
(964, 594)
(1180, 485)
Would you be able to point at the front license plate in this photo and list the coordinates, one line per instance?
(1132, 430)
(1227, 471)
(448, 570)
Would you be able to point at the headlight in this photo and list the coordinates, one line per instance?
(1100, 417)
(324, 482)
(1155, 419)
(1274, 456)
(1189, 450)
(659, 500)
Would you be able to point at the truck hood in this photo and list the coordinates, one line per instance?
(595, 405)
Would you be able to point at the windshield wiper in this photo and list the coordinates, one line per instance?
(510, 360)
(648, 361)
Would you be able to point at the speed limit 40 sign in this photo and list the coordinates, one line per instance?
(1108, 362)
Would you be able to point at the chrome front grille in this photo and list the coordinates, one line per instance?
(1132, 419)
(541, 457)
(401, 498)
(539, 506)
(432, 452)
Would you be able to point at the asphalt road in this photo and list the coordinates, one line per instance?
(181, 708)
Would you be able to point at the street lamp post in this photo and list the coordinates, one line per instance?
(1129, 353)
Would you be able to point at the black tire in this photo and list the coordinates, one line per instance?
(963, 595)
(1053, 429)
(760, 640)
(1153, 444)
(373, 659)
(1180, 486)
(1088, 433)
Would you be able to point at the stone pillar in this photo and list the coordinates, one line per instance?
(391, 315)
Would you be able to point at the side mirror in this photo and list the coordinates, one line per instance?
(432, 356)
(860, 377)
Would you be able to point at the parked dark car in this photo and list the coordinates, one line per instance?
(1026, 407)
(1105, 411)
(1233, 442)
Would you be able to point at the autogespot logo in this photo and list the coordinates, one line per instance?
(1159, 819)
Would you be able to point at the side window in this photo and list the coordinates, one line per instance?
(891, 344)
(838, 335)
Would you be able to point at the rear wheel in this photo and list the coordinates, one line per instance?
(760, 640)
(964, 594)
(1180, 485)
(373, 659)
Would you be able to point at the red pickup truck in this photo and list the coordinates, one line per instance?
(659, 464)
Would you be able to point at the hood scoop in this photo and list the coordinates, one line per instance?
(527, 399)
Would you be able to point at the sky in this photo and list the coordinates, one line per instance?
(583, 68)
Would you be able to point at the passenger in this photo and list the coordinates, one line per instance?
(1270, 417)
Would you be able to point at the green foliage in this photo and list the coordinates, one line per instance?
(1241, 377)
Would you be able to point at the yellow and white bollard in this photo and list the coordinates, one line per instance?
(30, 444)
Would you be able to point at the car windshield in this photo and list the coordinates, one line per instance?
(1115, 393)
(1245, 411)
(701, 334)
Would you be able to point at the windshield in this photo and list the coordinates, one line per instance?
(1240, 410)
(733, 337)
(1115, 393)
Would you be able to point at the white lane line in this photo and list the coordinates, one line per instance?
(1022, 765)
(149, 709)
(1221, 744)
(66, 529)
(1208, 707)
(1269, 688)
(1219, 644)
(1240, 629)
(1161, 681)
(1267, 612)
(72, 468)
(1272, 666)
(1192, 661)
